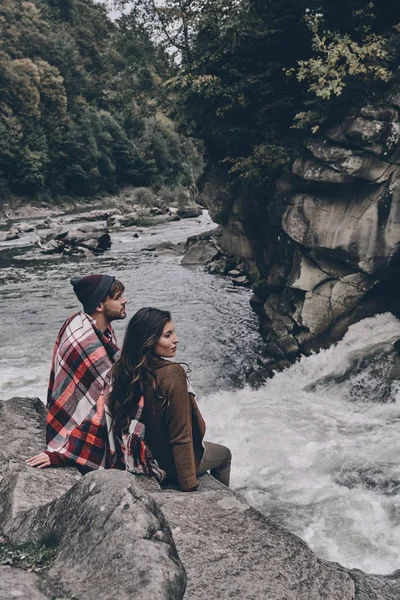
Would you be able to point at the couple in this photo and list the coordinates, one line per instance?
(131, 410)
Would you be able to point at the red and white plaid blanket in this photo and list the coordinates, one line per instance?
(76, 423)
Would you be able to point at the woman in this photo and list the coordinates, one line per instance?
(157, 424)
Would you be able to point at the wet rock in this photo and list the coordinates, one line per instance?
(72, 242)
(189, 212)
(241, 281)
(95, 215)
(166, 248)
(219, 266)
(88, 228)
(127, 220)
(200, 253)
(235, 273)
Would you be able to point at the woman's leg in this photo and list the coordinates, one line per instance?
(217, 460)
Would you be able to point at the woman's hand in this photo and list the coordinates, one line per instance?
(40, 461)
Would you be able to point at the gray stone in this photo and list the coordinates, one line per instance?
(219, 266)
(350, 162)
(106, 526)
(189, 212)
(363, 131)
(114, 542)
(25, 227)
(200, 253)
(231, 551)
(20, 585)
(21, 436)
(380, 113)
(312, 170)
(241, 281)
(166, 248)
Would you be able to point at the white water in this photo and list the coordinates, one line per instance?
(325, 462)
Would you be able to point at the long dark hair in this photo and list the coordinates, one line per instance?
(137, 364)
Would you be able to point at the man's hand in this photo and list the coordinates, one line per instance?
(40, 461)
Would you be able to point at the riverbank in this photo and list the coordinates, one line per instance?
(210, 542)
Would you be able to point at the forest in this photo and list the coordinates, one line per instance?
(88, 105)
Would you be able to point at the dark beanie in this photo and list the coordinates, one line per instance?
(91, 290)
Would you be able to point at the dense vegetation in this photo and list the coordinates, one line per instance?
(82, 107)
(87, 105)
(256, 74)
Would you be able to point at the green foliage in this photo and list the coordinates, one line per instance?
(338, 61)
(145, 197)
(36, 555)
(82, 103)
(251, 73)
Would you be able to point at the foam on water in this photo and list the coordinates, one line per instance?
(318, 457)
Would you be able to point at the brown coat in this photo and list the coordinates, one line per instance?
(174, 426)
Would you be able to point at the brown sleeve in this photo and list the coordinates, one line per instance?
(58, 460)
(178, 415)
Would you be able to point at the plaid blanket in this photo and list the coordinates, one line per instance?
(76, 423)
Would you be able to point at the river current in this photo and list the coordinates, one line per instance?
(316, 448)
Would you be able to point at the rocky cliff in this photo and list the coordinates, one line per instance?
(114, 535)
(324, 251)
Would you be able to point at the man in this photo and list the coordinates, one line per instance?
(84, 351)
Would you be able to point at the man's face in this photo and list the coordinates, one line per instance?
(114, 308)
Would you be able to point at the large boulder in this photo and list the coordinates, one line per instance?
(324, 251)
(113, 541)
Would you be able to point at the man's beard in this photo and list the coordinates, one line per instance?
(114, 315)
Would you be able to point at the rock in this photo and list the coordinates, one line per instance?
(241, 281)
(25, 227)
(219, 266)
(19, 483)
(6, 236)
(113, 541)
(95, 215)
(189, 212)
(200, 253)
(347, 161)
(156, 211)
(312, 170)
(88, 228)
(210, 235)
(16, 583)
(379, 114)
(214, 527)
(71, 242)
(166, 248)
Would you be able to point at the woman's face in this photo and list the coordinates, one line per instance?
(167, 343)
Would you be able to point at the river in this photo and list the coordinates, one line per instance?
(316, 448)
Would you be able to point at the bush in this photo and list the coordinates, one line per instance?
(145, 197)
